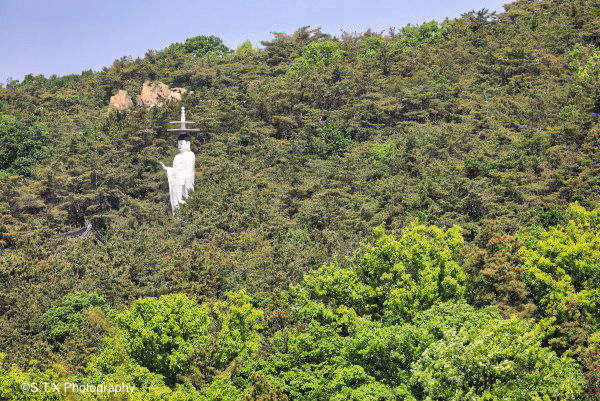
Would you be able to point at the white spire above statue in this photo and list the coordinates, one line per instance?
(181, 176)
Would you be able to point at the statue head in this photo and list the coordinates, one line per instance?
(184, 142)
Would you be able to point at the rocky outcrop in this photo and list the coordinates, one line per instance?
(120, 101)
(156, 93)
(153, 94)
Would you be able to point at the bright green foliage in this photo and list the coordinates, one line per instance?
(115, 364)
(12, 378)
(66, 315)
(496, 360)
(221, 389)
(350, 347)
(387, 352)
(173, 340)
(309, 366)
(395, 278)
(161, 334)
(479, 356)
(245, 49)
(419, 270)
(591, 70)
(392, 280)
(237, 324)
(340, 286)
(164, 393)
(414, 36)
(201, 45)
(414, 272)
(562, 268)
(449, 352)
(316, 54)
(308, 363)
(372, 47)
(21, 148)
(450, 317)
(298, 67)
(585, 60)
(322, 53)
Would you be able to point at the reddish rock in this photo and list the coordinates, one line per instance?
(120, 101)
(156, 93)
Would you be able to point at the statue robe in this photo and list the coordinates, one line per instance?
(181, 178)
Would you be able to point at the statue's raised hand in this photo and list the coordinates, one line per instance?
(163, 166)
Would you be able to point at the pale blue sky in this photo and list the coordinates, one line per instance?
(68, 36)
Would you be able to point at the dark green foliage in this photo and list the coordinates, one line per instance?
(85, 342)
(336, 140)
(284, 48)
(554, 216)
(66, 315)
(20, 148)
(262, 390)
(201, 45)
(494, 273)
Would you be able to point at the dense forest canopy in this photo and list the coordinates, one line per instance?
(402, 215)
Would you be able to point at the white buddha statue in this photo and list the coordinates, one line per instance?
(181, 175)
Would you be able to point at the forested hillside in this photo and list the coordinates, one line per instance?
(402, 215)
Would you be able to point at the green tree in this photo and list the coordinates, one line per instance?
(415, 36)
(395, 278)
(20, 148)
(237, 324)
(494, 274)
(562, 268)
(414, 272)
(262, 390)
(335, 138)
(315, 54)
(12, 379)
(585, 61)
(201, 45)
(245, 49)
(495, 360)
(66, 315)
(162, 333)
